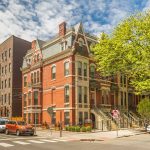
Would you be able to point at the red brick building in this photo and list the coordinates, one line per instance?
(61, 73)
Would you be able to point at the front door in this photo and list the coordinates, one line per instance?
(93, 120)
(92, 99)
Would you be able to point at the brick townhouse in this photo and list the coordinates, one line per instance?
(61, 73)
(12, 51)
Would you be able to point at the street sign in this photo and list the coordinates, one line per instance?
(50, 110)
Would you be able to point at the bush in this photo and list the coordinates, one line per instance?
(70, 128)
(73, 128)
(66, 128)
(88, 128)
(77, 129)
(83, 129)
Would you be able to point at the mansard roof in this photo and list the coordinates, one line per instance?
(52, 47)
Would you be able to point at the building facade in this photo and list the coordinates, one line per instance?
(61, 73)
(12, 52)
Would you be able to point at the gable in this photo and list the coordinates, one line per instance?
(80, 42)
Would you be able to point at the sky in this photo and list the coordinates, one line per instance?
(32, 19)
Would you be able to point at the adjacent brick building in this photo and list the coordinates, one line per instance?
(61, 73)
(12, 52)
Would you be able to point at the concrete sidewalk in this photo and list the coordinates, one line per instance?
(94, 135)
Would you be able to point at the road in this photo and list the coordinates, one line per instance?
(12, 142)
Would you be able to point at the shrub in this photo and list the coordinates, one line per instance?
(73, 128)
(77, 129)
(66, 128)
(83, 129)
(88, 128)
(70, 128)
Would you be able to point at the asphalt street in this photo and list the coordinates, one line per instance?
(13, 142)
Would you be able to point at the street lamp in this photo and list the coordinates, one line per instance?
(52, 89)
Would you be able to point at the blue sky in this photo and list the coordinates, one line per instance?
(31, 19)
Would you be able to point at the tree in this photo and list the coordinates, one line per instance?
(127, 51)
(143, 109)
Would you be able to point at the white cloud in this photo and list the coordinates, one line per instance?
(31, 19)
(147, 6)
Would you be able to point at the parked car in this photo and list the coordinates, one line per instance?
(18, 128)
(148, 129)
(3, 124)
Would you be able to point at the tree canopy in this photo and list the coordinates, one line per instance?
(127, 51)
(143, 109)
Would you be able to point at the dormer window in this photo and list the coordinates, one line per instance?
(81, 42)
(63, 45)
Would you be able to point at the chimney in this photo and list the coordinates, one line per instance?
(62, 29)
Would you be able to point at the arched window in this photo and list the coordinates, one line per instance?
(79, 68)
(34, 77)
(53, 70)
(66, 68)
(38, 76)
(66, 94)
(92, 71)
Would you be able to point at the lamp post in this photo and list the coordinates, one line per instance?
(53, 88)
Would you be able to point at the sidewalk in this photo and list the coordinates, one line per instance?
(95, 135)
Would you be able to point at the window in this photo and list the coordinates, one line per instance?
(2, 85)
(66, 118)
(79, 94)
(121, 98)
(25, 81)
(5, 55)
(80, 69)
(92, 71)
(5, 98)
(85, 115)
(80, 44)
(6, 69)
(5, 83)
(25, 100)
(66, 68)
(9, 52)
(53, 72)
(35, 97)
(38, 57)
(34, 77)
(54, 118)
(85, 69)
(38, 77)
(29, 118)
(29, 98)
(2, 56)
(85, 94)
(80, 118)
(2, 70)
(2, 99)
(9, 98)
(9, 82)
(67, 94)
(9, 67)
(125, 101)
(24, 117)
(62, 47)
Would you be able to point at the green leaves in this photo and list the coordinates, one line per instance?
(143, 108)
(127, 50)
